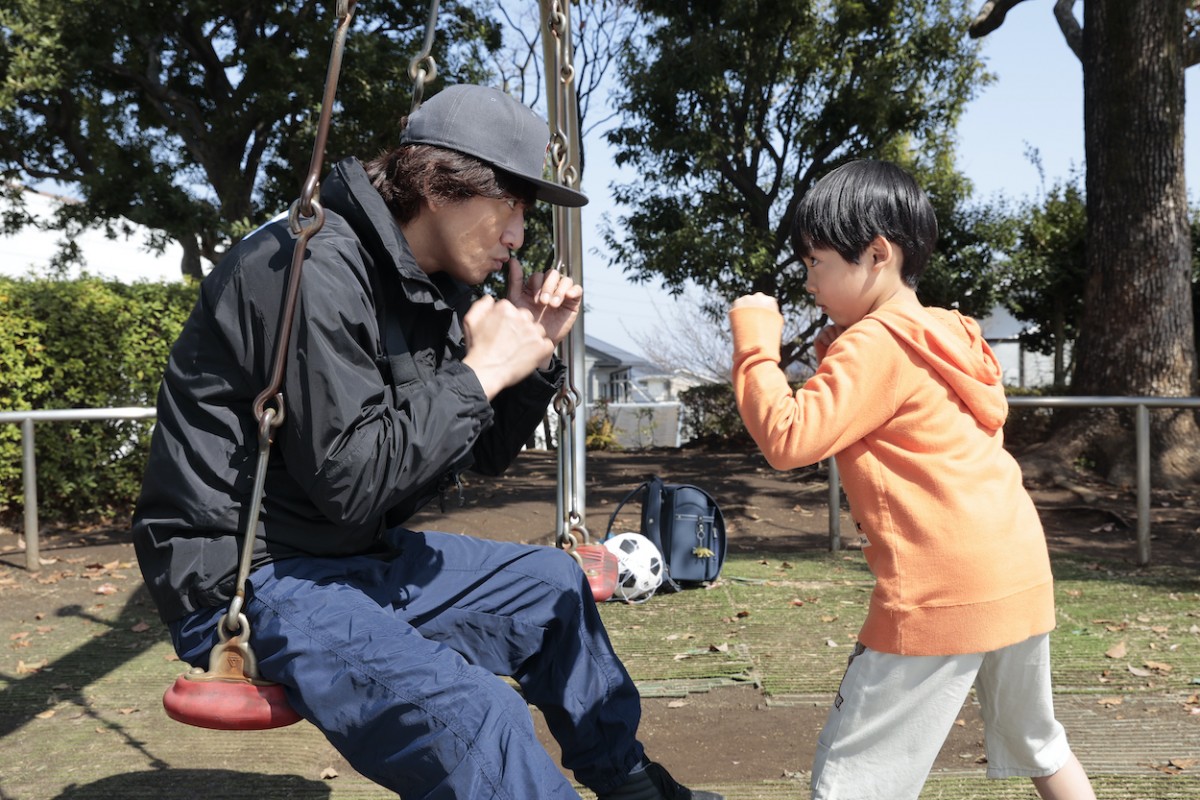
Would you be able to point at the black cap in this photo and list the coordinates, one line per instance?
(493, 127)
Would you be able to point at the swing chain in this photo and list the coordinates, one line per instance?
(305, 219)
(423, 68)
(558, 25)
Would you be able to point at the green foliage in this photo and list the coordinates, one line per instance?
(964, 272)
(83, 344)
(1048, 271)
(599, 431)
(710, 413)
(197, 119)
(733, 109)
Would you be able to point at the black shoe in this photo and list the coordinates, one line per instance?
(655, 783)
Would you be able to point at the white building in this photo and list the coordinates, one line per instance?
(1022, 369)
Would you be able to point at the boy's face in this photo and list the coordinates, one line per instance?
(473, 238)
(844, 291)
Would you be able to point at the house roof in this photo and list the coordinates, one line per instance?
(608, 355)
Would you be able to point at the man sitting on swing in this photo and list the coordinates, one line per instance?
(389, 640)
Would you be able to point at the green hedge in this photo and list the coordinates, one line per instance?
(710, 414)
(85, 343)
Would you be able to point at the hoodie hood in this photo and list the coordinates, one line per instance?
(953, 345)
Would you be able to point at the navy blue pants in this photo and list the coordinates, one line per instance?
(395, 660)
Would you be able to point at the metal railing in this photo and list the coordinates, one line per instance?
(26, 419)
(1141, 405)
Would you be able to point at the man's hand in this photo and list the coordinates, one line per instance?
(504, 343)
(552, 298)
(757, 300)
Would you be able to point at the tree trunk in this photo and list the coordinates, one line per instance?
(190, 263)
(1136, 336)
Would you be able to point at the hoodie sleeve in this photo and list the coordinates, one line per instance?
(855, 390)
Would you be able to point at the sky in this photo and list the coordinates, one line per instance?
(1036, 102)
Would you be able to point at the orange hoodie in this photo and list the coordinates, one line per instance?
(910, 401)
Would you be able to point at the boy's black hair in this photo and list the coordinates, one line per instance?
(860, 200)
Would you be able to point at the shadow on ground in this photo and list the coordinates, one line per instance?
(219, 784)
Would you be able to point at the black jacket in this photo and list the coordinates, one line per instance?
(379, 409)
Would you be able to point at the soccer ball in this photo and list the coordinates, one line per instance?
(639, 566)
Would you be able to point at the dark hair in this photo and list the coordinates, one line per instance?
(860, 200)
(408, 175)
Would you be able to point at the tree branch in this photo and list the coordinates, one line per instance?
(990, 17)
(1069, 26)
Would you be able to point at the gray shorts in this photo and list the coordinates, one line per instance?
(892, 714)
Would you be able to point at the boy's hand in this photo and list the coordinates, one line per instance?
(826, 337)
(757, 300)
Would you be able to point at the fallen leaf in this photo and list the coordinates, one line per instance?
(1157, 666)
(328, 774)
(141, 627)
(1118, 650)
(1109, 702)
(47, 714)
(677, 704)
(1138, 671)
(106, 588)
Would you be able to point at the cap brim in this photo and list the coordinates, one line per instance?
(556, 193)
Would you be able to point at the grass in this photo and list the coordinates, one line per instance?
(788, 622)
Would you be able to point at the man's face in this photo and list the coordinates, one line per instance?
(473, 238)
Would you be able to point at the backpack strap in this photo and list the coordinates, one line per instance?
(612, 519)
(652, 512)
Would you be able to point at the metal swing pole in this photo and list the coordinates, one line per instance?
(568, 253)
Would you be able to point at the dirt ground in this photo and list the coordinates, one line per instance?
(765, 511)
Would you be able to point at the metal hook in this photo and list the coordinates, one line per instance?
(423, 68)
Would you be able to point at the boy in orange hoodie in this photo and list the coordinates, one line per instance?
(909, 399)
